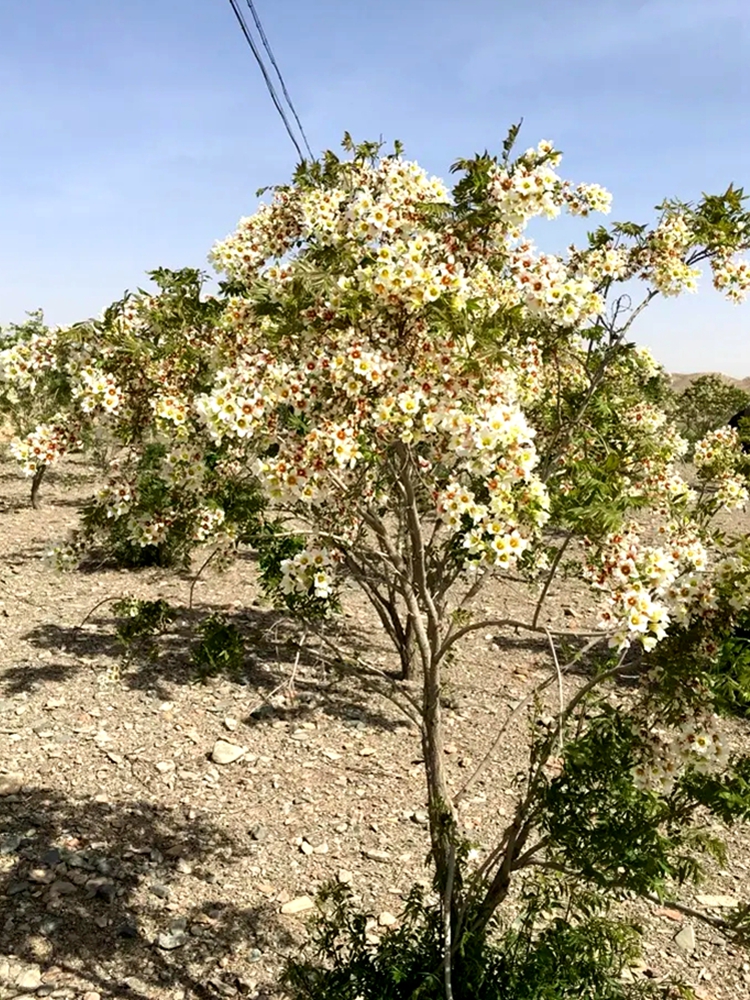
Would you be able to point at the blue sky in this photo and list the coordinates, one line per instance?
(135, 134)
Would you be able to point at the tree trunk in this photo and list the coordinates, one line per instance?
(407, 651)
(36, 482)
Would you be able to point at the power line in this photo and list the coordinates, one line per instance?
(275, 65)
(269, 84)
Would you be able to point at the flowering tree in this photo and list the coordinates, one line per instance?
(431, 397)
(425, 400)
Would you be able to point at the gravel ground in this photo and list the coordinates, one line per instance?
(135, 862)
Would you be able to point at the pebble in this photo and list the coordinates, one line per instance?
(375, 855)
(306, 847)
(91, 995)
(31, 979)
(230, 723)
(386, 919)
(685, 939)
(170, 940)
(11, 784)
(298, 905)
(345, 877)
(226, 753)
(258, 833)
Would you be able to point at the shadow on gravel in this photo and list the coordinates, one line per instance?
(124, 898)
(288, 677)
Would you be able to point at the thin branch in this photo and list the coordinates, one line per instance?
(454, 637)
(548, 582)
(515, 712)
(448, 904)
(197, 577)
(561, 693)
(690, 911)
(98, 604)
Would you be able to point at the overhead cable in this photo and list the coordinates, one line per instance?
(267, 47)
(271, 90)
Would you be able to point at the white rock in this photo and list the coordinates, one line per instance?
(298, 905)
(375, 855)
(30, 979)
(345, 877)
(227, 753)
(717, 902)
(685, 940)
(230, 723)
(386, 919)
(11, 784)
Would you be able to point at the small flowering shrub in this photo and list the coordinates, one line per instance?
(408, 394)
(706, 405)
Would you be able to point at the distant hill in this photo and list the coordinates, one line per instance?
(680, 381)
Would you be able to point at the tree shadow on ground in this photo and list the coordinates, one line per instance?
(86, 889)
(289, 676)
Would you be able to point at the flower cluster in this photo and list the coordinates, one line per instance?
(96, 388)
(647, 586)
(548, 288)
(718, 459)
(22, 363)
(662, 259)
(44, 446)
(531, 187)
(696, 743)
(732, 277)
(311, 571)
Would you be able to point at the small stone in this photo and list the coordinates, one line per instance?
(450, 748)
(306, 847)
(258, 833)
(420, 818)
(331, 754)
(298, 905)
(41, 875)
(345, 877)
(101, 888)
(30, 979)
(665, 911)
(11, 784)
(685, 940)
(183, 866)
(62, 888)
(52, 703)
(230, 723)
(91, 995)
(717, 902)
(164, 766)
(226, 753)
(375, 855)
(367, 751)
(386, 919)
(160, 890)
(15, 886)
(172, 939)
(51, 857)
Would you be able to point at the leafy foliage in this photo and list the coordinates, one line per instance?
(221, 649)
(571, 954)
